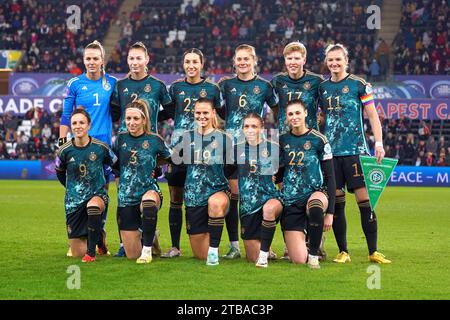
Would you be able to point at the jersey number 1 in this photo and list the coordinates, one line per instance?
(96, 104)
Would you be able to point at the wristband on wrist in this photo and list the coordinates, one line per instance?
(378, 144)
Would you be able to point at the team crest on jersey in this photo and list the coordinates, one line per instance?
(214, 144)
(346, 89)
(307, 145)
(203, 93)
(307, 85)
(265, 153)
(145, 144)
(92, 156)
(147, 88)
(107, 86)
(256, 90)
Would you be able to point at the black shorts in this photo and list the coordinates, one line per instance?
(130, 218)
(348, 173)
(176, 175)
(294, 218)
(76, 222)
(197, 220)
(251, 226)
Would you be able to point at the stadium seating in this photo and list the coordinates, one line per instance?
(422, 44)
(25, 22)
(266, 24)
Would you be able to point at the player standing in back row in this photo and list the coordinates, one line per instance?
(297, 83)
(184, 93)
(142, 87)
(242, 94)
(92, 90)
(343, 98)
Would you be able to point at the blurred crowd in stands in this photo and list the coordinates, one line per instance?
(422, 45)
(39, 28)
(170, 27)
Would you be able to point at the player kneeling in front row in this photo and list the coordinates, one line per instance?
(305, 154)
(206, 190)
(260, 201)
(79, 167)
(139, 197)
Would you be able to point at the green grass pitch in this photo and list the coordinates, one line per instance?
(413, 232)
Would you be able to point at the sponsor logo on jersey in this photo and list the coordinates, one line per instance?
(147, 88)
(285, 86)
(124, 145)
(182, 93)
(214, 144)
(233, 90)
(265, 153)
(307, 145)
(125, 90)
(256, 90)
(307, 85)
(84, 88)
(107, 86)
(345, 89)
(325, 92)
(92, 156)
(203, 93)
(145, 144)
(287, 146)
(72, 160)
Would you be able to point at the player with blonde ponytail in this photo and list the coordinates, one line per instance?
(91, 90)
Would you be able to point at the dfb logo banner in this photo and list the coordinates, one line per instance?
(376, 176)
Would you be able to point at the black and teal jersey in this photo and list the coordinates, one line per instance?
(150, 90)
(256, 165)
(306, 88)
(205, 157)
(85, 177)
(342, 103)
(184, 95)
(301, 156)
(137, 160)
(243, 97)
